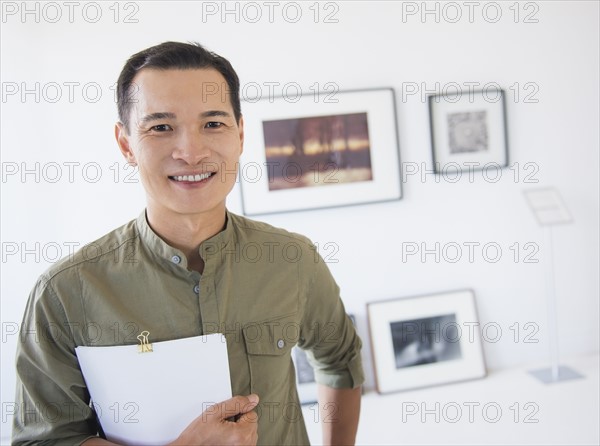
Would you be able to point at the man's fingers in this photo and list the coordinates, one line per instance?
(249, 417)
(237, 405)
(250, 403)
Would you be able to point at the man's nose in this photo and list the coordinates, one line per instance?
(191, 148)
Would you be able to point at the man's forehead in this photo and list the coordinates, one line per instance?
(152, 73)
(198, 78)
(204, 85)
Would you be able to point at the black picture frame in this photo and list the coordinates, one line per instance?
(468, 130)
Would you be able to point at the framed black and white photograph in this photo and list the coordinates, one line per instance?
(425, 340)
(468, 130)
(319, 150)
(305, 375)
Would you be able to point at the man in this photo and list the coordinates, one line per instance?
(178, 271)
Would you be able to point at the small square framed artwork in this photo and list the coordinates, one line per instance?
(425, 340)
(468, 130)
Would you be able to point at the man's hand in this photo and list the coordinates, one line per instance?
(214, 425)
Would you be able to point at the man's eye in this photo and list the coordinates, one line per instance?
(213, 125)
(161, 128)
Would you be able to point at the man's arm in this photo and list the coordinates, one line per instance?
(333, 349)
(213, 426)
(48, 374)
(340, 409)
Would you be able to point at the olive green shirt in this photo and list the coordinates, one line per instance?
(264, 288)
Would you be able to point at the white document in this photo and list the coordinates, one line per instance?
(150, 398)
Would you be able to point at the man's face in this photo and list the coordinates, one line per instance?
(184, 137)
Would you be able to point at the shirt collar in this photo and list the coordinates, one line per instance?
(173, 255)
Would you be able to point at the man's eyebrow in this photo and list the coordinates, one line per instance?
(168, 115)
(215, 113)
(157, 116)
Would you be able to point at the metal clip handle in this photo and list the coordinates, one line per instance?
(145, 346)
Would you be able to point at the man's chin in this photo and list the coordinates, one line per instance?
(194, 210)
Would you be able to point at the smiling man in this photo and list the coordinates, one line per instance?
(186, 143)
(179, 270)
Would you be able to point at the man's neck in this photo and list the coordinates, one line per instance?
(187, 231)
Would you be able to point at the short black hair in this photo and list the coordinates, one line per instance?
(174, 55)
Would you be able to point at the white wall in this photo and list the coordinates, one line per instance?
(554, 61)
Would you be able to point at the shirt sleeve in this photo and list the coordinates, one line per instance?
(328, 335)
(52, 401)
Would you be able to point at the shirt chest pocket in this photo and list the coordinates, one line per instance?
(268, 346)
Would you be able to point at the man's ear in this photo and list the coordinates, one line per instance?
(123, 142)
(241, 130)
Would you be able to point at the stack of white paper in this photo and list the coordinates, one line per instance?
(150, 398)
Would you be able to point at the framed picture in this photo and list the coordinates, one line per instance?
(425, 340)
(305, 375)
(319, 151)
(468, 131)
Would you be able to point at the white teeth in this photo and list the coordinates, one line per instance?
(197, 177)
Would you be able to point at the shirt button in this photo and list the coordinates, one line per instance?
(280, 343)
(176, 260)
(197, 289)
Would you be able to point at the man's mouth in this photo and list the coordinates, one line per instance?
(192, 178)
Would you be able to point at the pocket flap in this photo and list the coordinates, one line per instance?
(272, 337)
